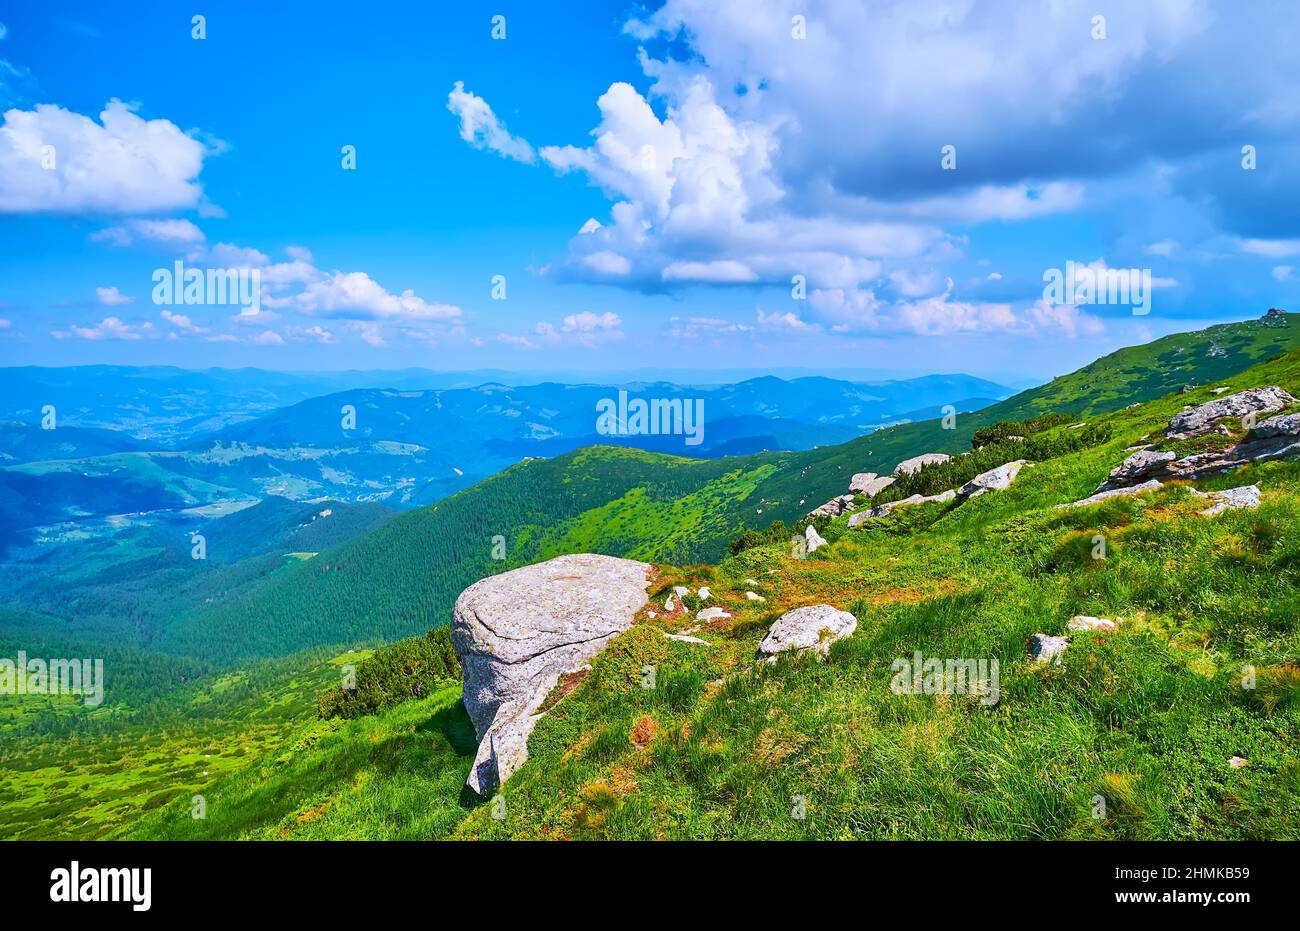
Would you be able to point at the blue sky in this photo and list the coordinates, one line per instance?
(652, 182)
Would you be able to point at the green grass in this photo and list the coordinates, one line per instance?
(725, 747)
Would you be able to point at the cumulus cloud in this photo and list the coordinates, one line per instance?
(53, 160)
(106, 329)
(480, 127)
(163, 232)
(112, 297)
(355, 295)
(181, 322)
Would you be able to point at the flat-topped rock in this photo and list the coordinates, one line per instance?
(1150, 485)
(909, 466)
(516, 633)
(998, 479)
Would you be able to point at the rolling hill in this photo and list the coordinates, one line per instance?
(403, 577)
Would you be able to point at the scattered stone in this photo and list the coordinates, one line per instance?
(1221, 390)
(811, 628)
(1247, 496)
(705, 594)
(1237, 762)
(670, 603)
(909, 466)
(754, 596)
(883, 510)
(683, 638)
(1082, 622)
(998, 479)
(1199, 419)
(834, 507)
(518, 632)
(750, 582)
(1139, 466)
(712, 614)
(815, 539)
(1045, 648)
(1151, 485)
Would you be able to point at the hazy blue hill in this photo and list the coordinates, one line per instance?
(123, 579)
(404, 576)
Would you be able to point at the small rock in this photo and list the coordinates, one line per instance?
(813, 538)
(1045, 648)
(683, 638)
(1237, 762)
(1082, 622)
(705, 594)
(751, 582)
(908, 466)
(754, 596)
(711, 614)
(811, 628)
(1247, 496)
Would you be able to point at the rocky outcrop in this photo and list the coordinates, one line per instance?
(870, 484)
(812, 628)
(834, 508)
(1201, 419)
(883, 510)
(518, 632)
(1150, 485)
(908, 466)
(1138, 467)
(998, 479)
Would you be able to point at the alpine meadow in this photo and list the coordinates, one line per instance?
(860, 421)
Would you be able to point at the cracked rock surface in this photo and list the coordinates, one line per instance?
(518, 632)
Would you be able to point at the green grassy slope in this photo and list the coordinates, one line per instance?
(1145, 719)
(404, 577)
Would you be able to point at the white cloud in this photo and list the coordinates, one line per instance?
(1283, 272)
(122, 164)
(181, 322)
(480, 127)
(108, 328)
(1165, 248)
(164, 232)
(717, 272)
(355, 295)
(695, 327)
(268, 338)
(112, 297)
(1271, 248)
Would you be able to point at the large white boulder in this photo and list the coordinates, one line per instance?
(518, 632)
(998, 479)
(811, 628)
